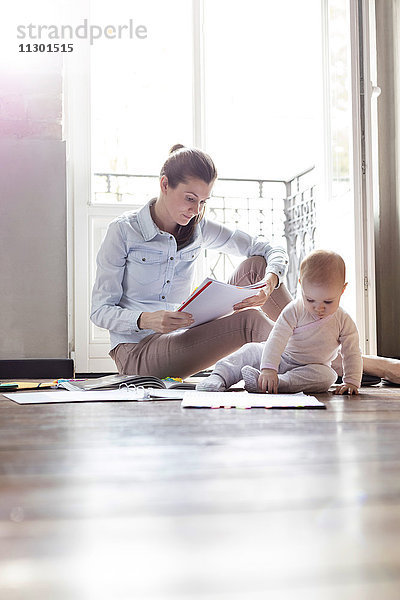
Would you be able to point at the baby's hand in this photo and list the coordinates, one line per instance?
(268, 381)
(346, 388)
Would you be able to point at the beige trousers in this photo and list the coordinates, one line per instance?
(185, 352)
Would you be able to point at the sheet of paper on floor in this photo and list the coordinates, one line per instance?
(194, 399)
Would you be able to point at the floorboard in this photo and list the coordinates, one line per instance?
(150, 501)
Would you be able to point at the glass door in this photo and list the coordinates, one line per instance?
(345, 215)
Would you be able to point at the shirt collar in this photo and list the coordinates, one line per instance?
(148, 228)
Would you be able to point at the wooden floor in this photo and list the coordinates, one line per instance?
(140, 501)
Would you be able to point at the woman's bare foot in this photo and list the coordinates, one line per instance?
(386, 368)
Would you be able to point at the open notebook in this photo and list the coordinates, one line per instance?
(213, 299)
(115, 381)
(188, 398)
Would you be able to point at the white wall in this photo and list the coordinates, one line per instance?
(33, 247)
(33, 278)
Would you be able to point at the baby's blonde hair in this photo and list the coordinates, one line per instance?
(323, 266)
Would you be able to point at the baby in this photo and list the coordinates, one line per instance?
(304, 341)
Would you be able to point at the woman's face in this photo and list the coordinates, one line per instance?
(184, 202)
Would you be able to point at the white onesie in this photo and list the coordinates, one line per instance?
(300, 338)
(300, 348)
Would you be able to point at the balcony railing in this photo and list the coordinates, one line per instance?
(282, 212)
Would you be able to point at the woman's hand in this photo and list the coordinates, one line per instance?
(164, 321)
(271, 281)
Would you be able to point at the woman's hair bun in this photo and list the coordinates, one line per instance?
(176, 147)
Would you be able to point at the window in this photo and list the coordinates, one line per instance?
(141, 90)
(260, 78)
(262, 87)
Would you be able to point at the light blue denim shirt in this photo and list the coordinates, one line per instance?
(140, 269)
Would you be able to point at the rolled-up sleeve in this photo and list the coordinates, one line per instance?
(240, 243)
(108, 290)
